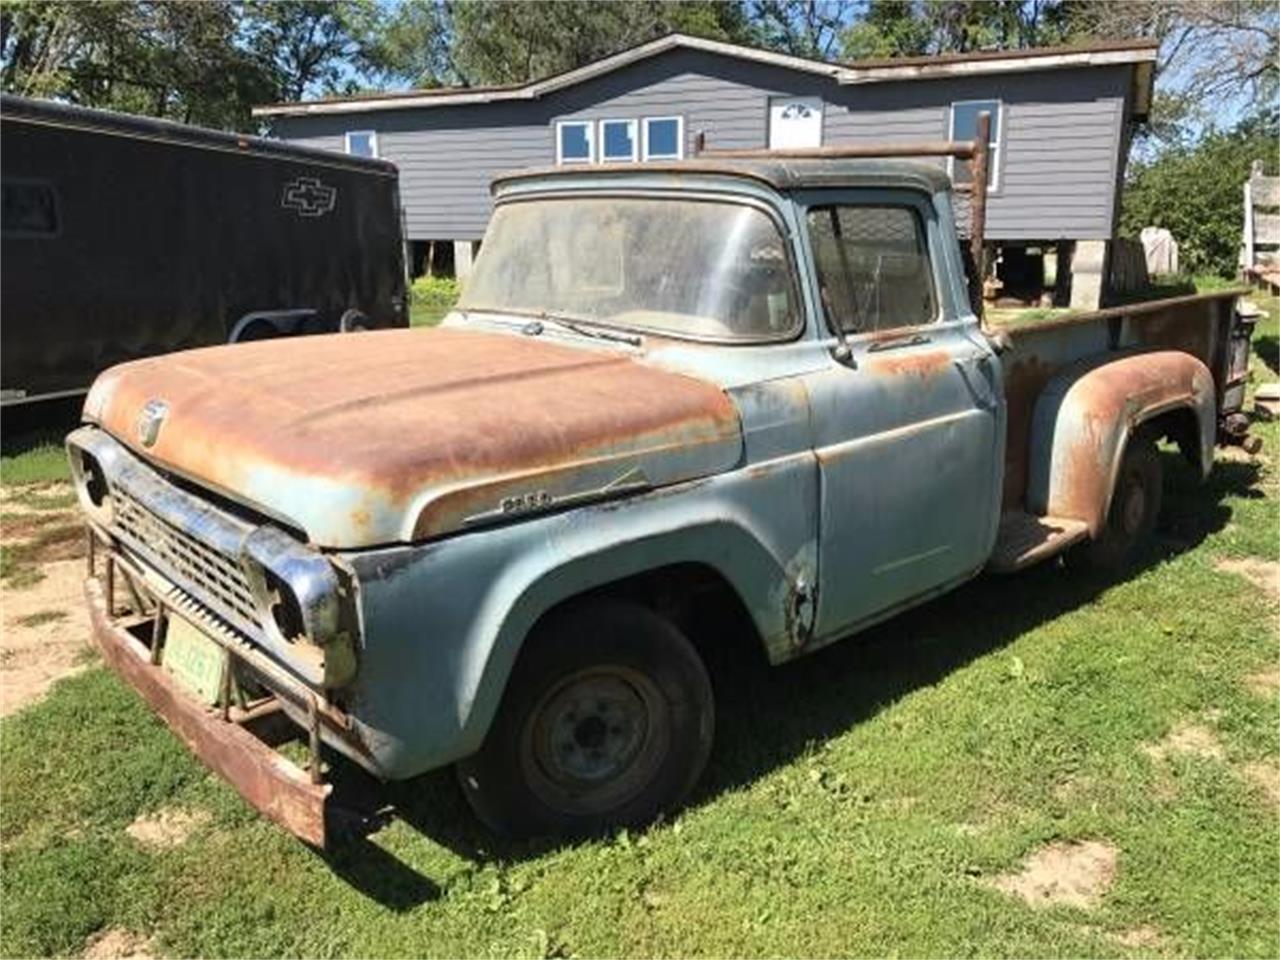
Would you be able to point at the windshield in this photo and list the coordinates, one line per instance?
(687, 268)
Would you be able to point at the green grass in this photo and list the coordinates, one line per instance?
(855, 802)
(42, 461)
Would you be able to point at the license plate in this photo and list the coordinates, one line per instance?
(194, 660)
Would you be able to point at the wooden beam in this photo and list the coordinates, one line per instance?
(978, 210)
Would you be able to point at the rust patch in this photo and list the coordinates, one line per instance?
(1025, 378)
(281, 791)
(921, 365)
(399, 411)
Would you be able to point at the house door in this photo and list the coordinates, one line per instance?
(795, 122)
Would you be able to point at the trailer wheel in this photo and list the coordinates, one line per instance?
(607, 721)
(1135, 506)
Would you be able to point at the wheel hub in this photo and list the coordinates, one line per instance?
(591, 742)
(1135, 507)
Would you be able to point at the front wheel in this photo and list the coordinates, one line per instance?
(1135, 507)
(607, 721)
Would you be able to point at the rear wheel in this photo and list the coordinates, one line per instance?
(607, 721)
(1135, 506)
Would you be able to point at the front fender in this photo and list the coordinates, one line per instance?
(444, 622)
(1086, 414)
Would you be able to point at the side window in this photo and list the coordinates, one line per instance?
(30, 209)
(362, 143)
(873, 267)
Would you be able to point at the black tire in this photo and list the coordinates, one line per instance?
(607, 722)
(1135, 507)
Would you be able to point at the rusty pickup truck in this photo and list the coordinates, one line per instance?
(752, 380)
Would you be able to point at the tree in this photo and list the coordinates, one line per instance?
(1217, 58)
(206, 63)
(477, 42)
(897, 28)
(1194, 191)
(802, 28)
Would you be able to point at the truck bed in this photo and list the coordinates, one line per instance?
(1200, 325)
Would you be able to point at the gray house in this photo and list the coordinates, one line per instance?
(1062, 122)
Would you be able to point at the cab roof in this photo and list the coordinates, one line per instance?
(779, 173)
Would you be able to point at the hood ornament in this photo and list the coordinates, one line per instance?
(150, 420)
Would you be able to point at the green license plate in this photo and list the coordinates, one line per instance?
(194, 660)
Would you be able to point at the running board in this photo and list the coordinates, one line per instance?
(1024, 540)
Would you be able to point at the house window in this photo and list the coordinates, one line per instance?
(964, 126)
(618, 141)
(574, 142)
(362, 143)
(664, 138)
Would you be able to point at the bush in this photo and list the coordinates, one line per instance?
(1196, 192)
(432, 298)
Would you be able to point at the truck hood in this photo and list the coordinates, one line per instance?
(403, 435)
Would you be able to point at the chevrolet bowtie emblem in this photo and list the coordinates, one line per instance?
(151, 420)
(309, 197)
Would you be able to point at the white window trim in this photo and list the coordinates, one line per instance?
(591, 142)
(679, 154)
(996, 148)
(371, 134)
(634, 127)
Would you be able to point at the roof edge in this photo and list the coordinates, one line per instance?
(864, 71)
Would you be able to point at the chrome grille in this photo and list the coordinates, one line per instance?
(210, 575)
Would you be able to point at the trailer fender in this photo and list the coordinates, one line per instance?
(267, 324)
(1086, 414)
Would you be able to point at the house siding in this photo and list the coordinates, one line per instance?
(1061, 139)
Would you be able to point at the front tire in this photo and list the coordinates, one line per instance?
(607, 721)
(1135, 507)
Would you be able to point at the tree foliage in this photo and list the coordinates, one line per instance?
(898, 28)
(206, 63)
(1195, 192)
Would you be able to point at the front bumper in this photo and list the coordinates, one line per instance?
(227, 743)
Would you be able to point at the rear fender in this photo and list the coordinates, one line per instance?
(1086, 414)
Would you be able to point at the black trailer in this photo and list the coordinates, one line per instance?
(125, 237)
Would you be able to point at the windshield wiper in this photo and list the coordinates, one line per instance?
(578, 326)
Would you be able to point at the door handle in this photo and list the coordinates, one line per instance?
(897, 343)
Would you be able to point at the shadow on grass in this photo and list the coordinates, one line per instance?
(768, 716)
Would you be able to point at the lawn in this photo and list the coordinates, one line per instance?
(872, 799)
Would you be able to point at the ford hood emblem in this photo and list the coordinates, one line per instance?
(151, 420)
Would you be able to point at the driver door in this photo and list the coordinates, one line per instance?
(908, 430)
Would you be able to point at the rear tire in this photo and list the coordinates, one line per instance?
(607, 721)
(1135, 507)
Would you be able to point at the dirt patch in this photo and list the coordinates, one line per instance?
(117, 943)
(1067, 874)
(36, 498)
(166, 828)
(1266, 777)
(1144, 937)
(1189, 739)
(36, 650)
(1261, 573)
(1264, 684)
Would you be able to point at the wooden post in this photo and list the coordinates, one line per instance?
(978, 209)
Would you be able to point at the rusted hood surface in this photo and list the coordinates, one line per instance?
(370, 438)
